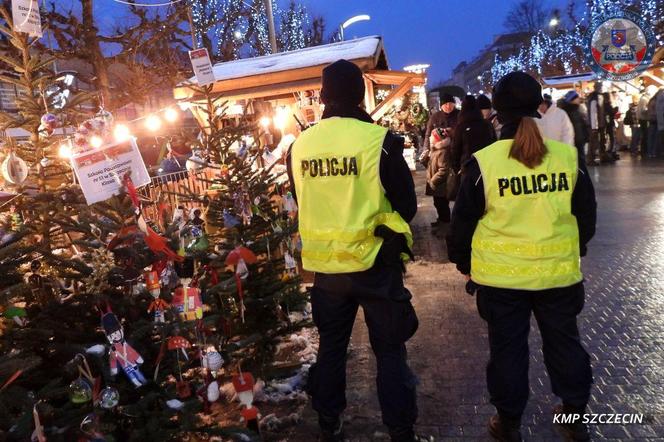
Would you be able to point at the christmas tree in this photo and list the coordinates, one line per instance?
(122, 326)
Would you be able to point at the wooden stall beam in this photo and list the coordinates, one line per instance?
(397, 93)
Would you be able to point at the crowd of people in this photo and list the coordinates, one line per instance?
(592, 123)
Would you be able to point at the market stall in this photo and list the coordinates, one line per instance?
(623, 94)
(282, 90)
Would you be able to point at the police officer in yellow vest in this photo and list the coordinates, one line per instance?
(525, 211)
(356, 195)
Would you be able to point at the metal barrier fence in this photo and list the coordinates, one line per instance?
(175, 189)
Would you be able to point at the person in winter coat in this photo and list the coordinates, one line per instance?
(571, 105)
(472, 133)
(652, 125)
(597, 120)
(525, 211)
(445, 118)
(631, 120)
(484, 103)
(642, 115)
(659, 108)
(610, 112)
(555, 124)
(437, 170)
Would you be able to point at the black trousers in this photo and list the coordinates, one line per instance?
(507, 313)
(442, 206)
(391, 321)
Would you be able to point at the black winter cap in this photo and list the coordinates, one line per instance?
(483, 102)
(517, 94)
(343, 83)
(447, 98)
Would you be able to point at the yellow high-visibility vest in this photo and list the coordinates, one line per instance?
(341, 200)
(528, 238)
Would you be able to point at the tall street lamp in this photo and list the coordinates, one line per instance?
(350, 21)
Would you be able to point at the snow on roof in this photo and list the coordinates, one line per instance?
(285, 61)
(571, 78)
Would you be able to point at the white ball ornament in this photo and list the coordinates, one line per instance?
(14, 169)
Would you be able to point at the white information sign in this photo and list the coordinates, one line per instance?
(100, 172)
(25, 14)
(200, 61)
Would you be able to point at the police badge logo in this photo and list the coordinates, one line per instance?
(619, 46)
(618, 37)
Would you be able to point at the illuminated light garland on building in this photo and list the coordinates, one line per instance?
(250, 17)
(567, 47)
(293, 23)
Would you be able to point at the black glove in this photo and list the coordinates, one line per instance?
(472, 287)
(394, 244)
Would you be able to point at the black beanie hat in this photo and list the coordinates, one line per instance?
(343, 83)
(447, 98)
(483, 102)
(517, 94)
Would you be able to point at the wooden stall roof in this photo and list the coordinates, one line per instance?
(292, 70)
(287, 72)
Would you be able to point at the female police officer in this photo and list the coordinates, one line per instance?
(525, 211)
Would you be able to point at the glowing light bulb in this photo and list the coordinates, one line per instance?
(64, 151)
(171, 115)
(281, 117)
(265, 122)
(121, 132)
(96, 142)
(238, 35)
(153, 123)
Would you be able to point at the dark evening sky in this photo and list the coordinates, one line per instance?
(439, 32)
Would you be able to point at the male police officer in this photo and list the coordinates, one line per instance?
(356, 196)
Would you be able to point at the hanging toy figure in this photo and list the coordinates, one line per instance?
(179, 218)
(187, 301)
(121, 353)
(239, 257)
(243, 207)
(290, 205)
(158, 306)
(15, 218)
(244, 387)
(291, 264)
(41, 288)
(178, 343)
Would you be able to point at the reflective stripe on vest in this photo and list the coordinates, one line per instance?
(528, 238)
(341, 199)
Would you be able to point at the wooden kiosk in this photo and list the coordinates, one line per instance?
(289, 82)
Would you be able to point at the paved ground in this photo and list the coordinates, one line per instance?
(622, 327)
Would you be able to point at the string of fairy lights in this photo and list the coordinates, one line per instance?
(121, 131)
(568, 46)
